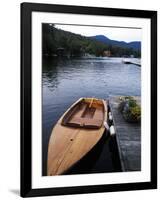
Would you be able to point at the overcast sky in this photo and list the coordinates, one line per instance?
(120, 34)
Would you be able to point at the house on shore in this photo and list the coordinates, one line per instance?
(107, 53)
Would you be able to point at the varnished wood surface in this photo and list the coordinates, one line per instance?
(67, 145)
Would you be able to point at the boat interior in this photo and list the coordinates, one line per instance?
(87, 113)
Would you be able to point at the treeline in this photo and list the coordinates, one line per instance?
(58, 42)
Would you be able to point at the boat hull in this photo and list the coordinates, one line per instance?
(67, 145)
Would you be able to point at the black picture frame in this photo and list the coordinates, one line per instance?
(26, 95)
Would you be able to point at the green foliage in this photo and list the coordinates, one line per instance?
(136, 112)
(132, 103)
(133, 114)
(77, 45)
(130, 109)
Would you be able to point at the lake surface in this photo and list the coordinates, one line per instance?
(65, 81)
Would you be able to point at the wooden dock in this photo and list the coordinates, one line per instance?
(128, 137)
(132, 62)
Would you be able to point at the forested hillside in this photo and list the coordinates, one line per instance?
(58, 42)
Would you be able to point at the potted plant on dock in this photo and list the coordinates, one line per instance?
(130, 109)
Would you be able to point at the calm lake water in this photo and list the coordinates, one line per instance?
(65, 81)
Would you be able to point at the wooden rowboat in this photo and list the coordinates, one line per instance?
(75, 134)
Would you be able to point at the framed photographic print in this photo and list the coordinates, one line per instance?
(88, 99)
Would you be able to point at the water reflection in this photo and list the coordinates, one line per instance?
(49, 75)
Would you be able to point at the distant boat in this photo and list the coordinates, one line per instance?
(75, 134)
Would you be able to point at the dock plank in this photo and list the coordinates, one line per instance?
(128, 137)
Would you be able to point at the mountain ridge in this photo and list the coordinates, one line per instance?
(102, 38)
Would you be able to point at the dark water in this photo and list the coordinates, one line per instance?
(65, 81)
